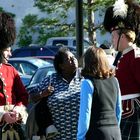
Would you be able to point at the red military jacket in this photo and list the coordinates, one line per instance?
(128, 74)
(12, 90)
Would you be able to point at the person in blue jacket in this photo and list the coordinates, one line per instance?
(100, 99)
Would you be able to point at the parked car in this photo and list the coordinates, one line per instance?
(27, 65)
(67, 41)
(38, 51)
(25, 79)
(47, 58)
(39, 75)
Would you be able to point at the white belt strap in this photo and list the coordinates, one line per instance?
(130, 96)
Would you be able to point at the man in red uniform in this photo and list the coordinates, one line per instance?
(123, 21)
(13, 96)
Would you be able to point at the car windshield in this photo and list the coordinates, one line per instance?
(41, 73)
(39, 62)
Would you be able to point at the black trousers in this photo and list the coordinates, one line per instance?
(43, 116)
(105, 133)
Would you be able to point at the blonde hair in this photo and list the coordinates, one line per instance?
(131, 36)
(96, 64)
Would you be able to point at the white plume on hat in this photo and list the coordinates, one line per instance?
(120, 9)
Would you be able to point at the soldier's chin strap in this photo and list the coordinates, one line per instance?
(118, 56)
(119, 37)
(118, 42)
(119, 53)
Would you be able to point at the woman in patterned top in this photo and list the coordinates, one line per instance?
(64, 101)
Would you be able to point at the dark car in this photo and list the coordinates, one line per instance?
(39, 75)
(27, 65)
(38, 51)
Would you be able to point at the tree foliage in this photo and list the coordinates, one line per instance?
(55, 22)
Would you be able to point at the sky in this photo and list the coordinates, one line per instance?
(20, 8)
(23, 7)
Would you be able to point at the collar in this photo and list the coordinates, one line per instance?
(130, 48)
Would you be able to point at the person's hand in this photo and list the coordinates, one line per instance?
(10, 117)
(48, 91)
(19, 118)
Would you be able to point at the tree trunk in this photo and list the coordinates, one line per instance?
(91, 33)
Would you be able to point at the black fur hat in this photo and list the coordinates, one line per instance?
(7, 30)
(110, 21)
(123, 15)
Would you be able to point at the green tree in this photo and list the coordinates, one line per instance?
(25, 36)
(55, 23)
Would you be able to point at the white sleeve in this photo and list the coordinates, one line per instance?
(1, 115)
(1, 112)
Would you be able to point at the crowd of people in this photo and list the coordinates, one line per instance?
(95, 101)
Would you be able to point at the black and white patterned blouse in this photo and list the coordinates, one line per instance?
(63, 104)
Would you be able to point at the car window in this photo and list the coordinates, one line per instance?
(74, 42)
(25, 79)
(41, 73)
(24, 68)
(57, 42)
(28, 68)
(39, 62)
(17, 67)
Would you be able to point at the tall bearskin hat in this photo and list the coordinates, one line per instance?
(124, 14)
(7, 30)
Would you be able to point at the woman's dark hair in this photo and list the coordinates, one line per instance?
(59, 58)
(7, 30)
(96, 64)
